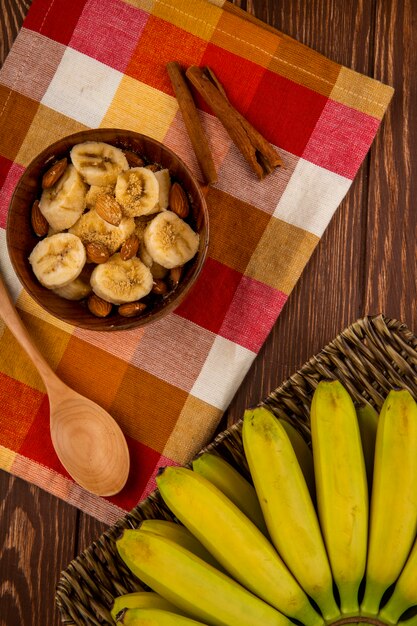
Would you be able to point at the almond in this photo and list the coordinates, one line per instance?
(175, 275)
(130, 309)
(153, 167)
(109, 209)
(178, 201)
(97, 252)
(129, 247)
(54, 173)
(39, 222)
(133, 159)
(159, 287)
(98, 307)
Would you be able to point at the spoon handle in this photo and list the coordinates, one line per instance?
(16, 326)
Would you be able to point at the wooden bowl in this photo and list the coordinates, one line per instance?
(21, 239)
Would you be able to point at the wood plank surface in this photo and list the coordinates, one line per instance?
(365, 263)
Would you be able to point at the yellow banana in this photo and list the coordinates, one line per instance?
(341, 487)
(393, 520)
(232, 484)
(193, 585)
(287, 506)
(236, 543)
(155, 617)
(368, 422)
(140, 600)
(180, 535)
(303, 454)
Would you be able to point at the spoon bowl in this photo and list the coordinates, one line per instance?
(88, 441)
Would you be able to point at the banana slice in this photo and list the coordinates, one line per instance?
(58, 260)
(164, 181)
(98, 163)
(137, 190)
(119, 281)
(63, 203)
(75, 290)
(94, 192)
(92, 228)
(169, 240)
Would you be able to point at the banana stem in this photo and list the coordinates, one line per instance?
(357, 619)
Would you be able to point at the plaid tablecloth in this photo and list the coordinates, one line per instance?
(101, 63)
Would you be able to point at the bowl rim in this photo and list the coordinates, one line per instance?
(132, 323)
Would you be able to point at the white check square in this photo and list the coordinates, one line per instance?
(311, 197)
(82, 88)
(224, 369)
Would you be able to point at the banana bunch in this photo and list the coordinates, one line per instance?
(124, 218)
(272, 549)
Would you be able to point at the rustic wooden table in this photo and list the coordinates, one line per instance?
(365, 264)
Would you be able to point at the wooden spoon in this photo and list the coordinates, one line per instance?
(87, 440)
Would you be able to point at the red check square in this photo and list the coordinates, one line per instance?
(285, 112)
(210, 298)
(252, 313)
(240, 84)
(113, 40)
(55, 20)
(143, 461)
(341, 139)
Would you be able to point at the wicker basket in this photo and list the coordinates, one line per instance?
(370, 357)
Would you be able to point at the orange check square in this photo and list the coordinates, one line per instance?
(16, 115)
(160, 43)
(147, 408)
(91, 371)
(18, 406)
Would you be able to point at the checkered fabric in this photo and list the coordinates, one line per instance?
(101, 63)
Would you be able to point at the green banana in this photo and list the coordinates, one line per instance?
(191, 584)
(368, 422)
(393, 521)
(180, 535)
(287, 506)
(155, 617)
(140, 600)
(341, 487)
(303, 454)
(232, 484)
(234, 541)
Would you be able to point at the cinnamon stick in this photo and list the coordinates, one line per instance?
(192, 123)
(258, 152)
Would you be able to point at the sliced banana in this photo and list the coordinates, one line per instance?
(137, 190)
(98, 163)
(92, 228)
(164, 181)
(94, 192)
(119, 281)
(58, 260)
(144, 255)
(63, 203)
(169, 240)
(75, 290)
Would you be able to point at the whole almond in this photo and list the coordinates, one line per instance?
(131, 309)
(160, 287)
(178, 201)
(39, 222)
(129, 247)
(109, 209)
(97, 252)
(175, 275)
(133, 159)
(98, 307)
(54, 173)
